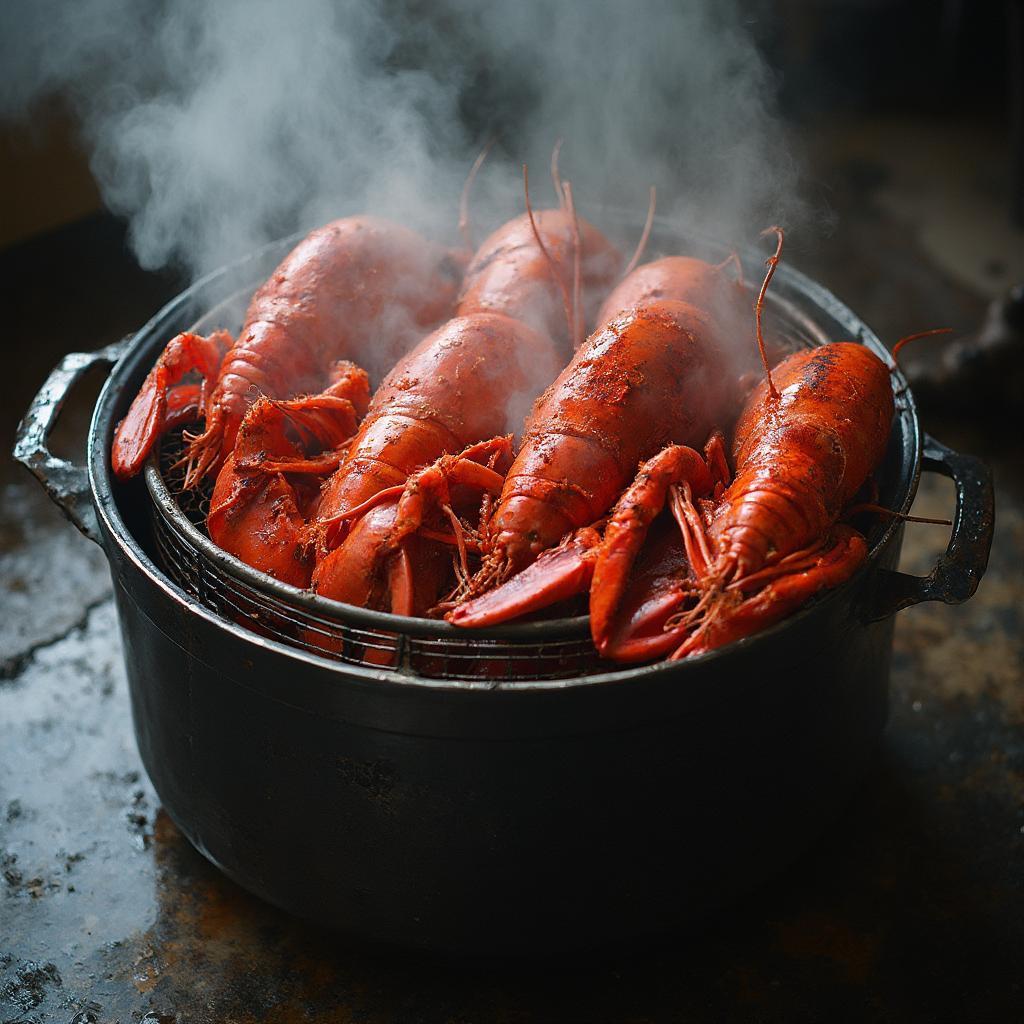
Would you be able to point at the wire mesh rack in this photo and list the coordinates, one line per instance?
(553, 649)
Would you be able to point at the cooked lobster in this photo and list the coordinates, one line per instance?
(448, 393)
(804, 445)
(460, 385)
(359, 287)
(658, 374)
(464, 385)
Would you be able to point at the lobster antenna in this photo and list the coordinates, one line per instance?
(883, 511)
(913, 337)
(734, 259)
(577, 258)
(467, 187)
(642, 244)
(544, 249)
(555, 176)
(771, 263)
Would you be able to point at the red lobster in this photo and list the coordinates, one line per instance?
(656, 378)
(802, 451)
(458, 386)
(357, 285)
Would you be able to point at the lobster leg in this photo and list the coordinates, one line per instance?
(147, 417)
(628, 525)
(714, 457)
(731, 616)
(431, 486)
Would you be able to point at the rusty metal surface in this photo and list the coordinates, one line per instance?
(911, 908)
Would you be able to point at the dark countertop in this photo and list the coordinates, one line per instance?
(911, 908)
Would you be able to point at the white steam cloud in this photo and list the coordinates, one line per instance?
(214, 127)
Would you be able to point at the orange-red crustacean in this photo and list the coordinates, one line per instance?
(355, 286)
(805, 443)
(462, 386)
(802, 453)
(656, 377)
(259, 514)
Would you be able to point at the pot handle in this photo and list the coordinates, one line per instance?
(958, 572)
(66, 483)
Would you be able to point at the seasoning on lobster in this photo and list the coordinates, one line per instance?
(461, 387)
(656, 373)
(804, 445)
(359, 287)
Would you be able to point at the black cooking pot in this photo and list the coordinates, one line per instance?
(493, 817)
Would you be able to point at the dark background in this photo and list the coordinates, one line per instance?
(909, 115)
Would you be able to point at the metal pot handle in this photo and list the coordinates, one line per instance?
(65, 483)
(958, 572)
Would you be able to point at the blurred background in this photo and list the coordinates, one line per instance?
(142, 144)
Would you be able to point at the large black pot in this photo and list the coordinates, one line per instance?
(508, 817)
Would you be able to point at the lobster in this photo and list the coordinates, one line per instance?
(771, 538)
(423, 434)
(805, 443)
(355, 286)
(448, 393)
(461, 384)
(659, 374)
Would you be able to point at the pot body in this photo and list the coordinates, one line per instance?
(493, 818)
(519, 820)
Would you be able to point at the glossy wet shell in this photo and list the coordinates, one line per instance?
(653, 376)
(461, 384)
(509, 274)
(359, 288)
(801, 461)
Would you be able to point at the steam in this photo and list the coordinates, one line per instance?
(216, 127)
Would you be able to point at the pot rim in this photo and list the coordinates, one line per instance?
(117, 530)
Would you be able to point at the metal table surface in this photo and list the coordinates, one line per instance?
(911, 908)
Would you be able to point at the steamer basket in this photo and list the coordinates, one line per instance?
(549, 649)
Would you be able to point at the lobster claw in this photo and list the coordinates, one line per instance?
(624, 536)
(658, 586)
(368, 571)
(163, 402)
(585, 561)
(558, 574)
(386, 556)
